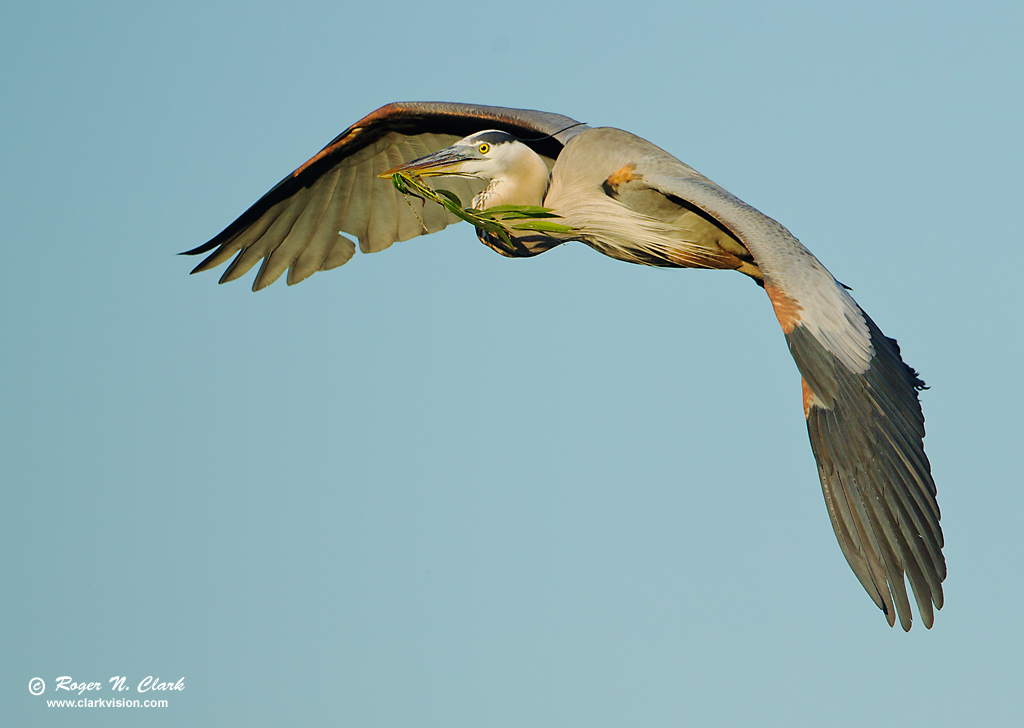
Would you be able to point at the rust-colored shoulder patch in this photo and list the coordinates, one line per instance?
(328, 150)
(810, 398)
(320, 155)
(622, 174)
(787, 310)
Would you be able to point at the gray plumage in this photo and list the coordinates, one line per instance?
(633, 201)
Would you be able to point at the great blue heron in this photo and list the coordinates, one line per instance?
(630, 200)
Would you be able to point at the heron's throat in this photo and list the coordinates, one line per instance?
(523, 182)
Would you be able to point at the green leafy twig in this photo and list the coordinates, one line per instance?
(497, 220)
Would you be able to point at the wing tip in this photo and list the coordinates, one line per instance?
(198, 250)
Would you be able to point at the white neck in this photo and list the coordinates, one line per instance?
(521, 178)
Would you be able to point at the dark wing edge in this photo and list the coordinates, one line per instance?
(296, 226)
(863, 412)
(867, 433)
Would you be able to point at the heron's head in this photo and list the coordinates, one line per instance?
(486, 155)
(516, 175)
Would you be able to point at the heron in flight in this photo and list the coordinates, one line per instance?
(630, 200)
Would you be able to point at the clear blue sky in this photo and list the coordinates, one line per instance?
(437, 487)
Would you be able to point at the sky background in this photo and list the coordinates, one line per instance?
(437, 487)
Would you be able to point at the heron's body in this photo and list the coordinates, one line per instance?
(633, 201)
(622, 215)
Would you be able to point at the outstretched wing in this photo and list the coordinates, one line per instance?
(296, 225)
(860, 400)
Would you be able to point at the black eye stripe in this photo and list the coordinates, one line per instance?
(492, 137)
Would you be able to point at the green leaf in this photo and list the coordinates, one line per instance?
(543, 226)
(526, 209)
(492, 219)
(454, 198)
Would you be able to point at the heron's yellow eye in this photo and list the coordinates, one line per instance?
(484, 148)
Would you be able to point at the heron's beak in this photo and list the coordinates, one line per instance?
(444, 162)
